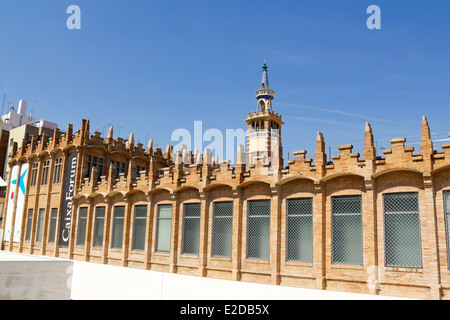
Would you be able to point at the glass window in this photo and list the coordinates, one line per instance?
(191, 228)
(52, 229)
(403, 245)
(347, 237)
(99, 226)
(82, 222)
(163, 228)
(447, 220)
(93, 162)
(45, 170)
(40, 225)
(447, 201)
(299, 230)
(258, 230)
(139, 227)
(29, 225)
(119, 166)
(34, 174)
(118, 223)
(138, 171)
(58, 167)
(222, 229)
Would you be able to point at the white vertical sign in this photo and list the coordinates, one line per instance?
(11, 197)
(22, 180)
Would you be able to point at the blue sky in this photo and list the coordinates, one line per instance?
(150, 67)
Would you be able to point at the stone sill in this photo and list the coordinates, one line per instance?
(256, 261)
(349, 267)
(298, 264)
(403, 269)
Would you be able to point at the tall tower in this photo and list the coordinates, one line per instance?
(264, 129)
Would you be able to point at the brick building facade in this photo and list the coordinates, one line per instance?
(367, 224)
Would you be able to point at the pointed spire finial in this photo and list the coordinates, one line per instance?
(150, 146)
(130, 142)
(110, 132)
(319, 136)
(265, 78)
(425, 130)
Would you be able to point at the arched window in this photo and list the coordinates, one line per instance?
(262, 106)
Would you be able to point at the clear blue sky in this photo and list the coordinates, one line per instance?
(155, 66)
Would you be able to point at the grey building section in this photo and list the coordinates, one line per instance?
(26, 131)
(20, 127)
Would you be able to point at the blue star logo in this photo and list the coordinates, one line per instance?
(21, 182)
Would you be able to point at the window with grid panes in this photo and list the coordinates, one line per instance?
(99, 224)
(58, 168)
(119, 166)
(191, 228)
(403, 244)
(29, 225)
(258, 229)
(139, 227)
(138, 171)
(52, 227)
(34, 171)
(45, 170)
(94, 162)
(447, 220)
(118, 224)
(347, 236)
(299, 230)
(163, 227)
(222, 229)
(40, 225)
(81, 226)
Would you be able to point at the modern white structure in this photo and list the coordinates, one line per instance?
(21, 126)
(14, 119)
(36, 277)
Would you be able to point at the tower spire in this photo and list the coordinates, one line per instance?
(264, 95)
(264, 128)
(265, 78)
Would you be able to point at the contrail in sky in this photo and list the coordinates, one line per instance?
(356, 115)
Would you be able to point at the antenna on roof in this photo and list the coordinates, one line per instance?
(34, 110)
(4, 98)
